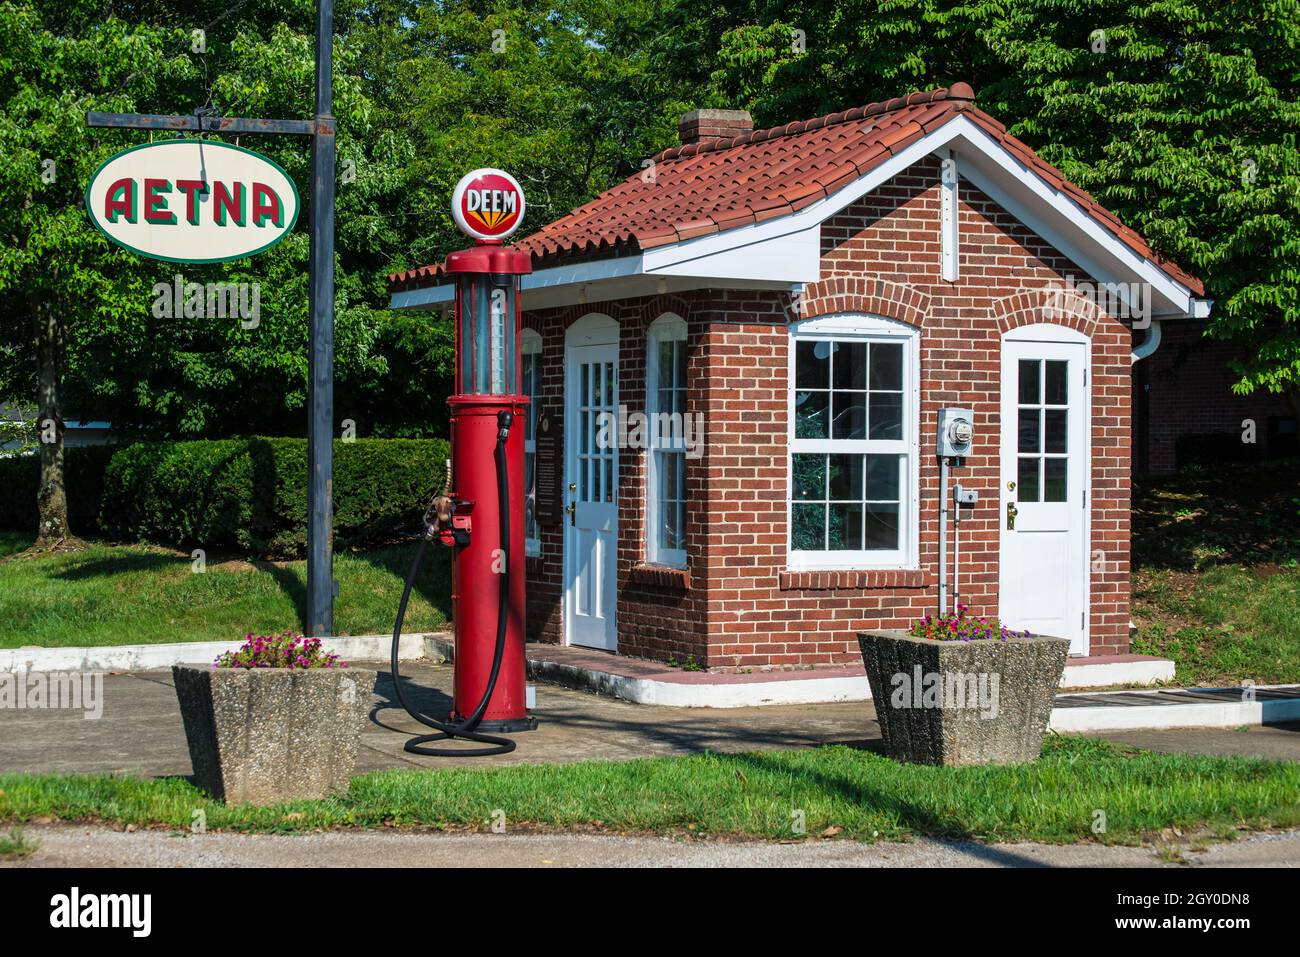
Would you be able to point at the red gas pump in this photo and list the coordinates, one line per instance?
(480, 512)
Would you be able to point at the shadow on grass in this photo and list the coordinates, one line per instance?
(12, 542)
(124, 564)
(911, 816)
(1230, 514)
(293, 587)
(119, 565)
(434, 581)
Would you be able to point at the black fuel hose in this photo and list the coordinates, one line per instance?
(446, 730)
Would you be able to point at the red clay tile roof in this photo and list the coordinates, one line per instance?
(715, 185)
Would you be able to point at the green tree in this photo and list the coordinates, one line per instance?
(791, 59)
(55, 275)
(562, 95)
(1180, 116)
(423, 92)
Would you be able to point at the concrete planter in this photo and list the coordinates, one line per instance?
(962, 702)
(263, 736)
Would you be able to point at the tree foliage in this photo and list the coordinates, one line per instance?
(1182, 119)
(1179, 115)
(422, 93)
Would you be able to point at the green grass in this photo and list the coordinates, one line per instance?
(129, 594)
(15, 845)
(752, 795)
(1216, 572)
(1244, 515)
(11, 542)
(1222, 626)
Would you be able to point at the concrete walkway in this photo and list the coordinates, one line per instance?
(82, 846)
(141, 730)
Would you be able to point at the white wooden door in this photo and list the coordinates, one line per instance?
(591, 493)
(1044, 568)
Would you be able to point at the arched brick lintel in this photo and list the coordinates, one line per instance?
(1045, 305)
(879, 297)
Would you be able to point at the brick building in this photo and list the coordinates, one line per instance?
(1185, 412)
(791, 309)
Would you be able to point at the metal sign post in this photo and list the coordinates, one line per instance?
(321, 587)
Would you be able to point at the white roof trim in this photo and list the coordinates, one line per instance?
(428, 297)
(1111, 258)
(600, 281)
(786, 251)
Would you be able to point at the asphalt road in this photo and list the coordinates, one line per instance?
(89, 846)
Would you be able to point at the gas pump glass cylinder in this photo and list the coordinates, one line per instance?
(487, 334)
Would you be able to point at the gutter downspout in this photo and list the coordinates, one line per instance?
(1148, 345)
(1198, 309)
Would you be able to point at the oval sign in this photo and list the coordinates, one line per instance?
(192, 201)
(488, 204)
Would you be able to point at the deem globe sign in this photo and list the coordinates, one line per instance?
(488, 205)
(192, 201)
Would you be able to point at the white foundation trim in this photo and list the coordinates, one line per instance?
(154, 657)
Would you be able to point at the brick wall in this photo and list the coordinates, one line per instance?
(1185, 388)
(742, 608)
(659, 615)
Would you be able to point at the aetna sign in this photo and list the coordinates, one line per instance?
(193, 201)
(488, 204)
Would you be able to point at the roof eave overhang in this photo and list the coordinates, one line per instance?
(602, 280)
(785, 252)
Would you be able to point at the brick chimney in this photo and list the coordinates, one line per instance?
(698, 126)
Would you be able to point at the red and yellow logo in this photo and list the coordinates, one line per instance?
(488, 204)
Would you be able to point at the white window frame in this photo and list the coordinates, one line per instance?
(530, 344)
(867, 328)
(669, 327)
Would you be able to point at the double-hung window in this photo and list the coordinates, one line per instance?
(853, 443)
(530, 347)
(666, 434)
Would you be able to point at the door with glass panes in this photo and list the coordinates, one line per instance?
(591, 493)
(1043, 573)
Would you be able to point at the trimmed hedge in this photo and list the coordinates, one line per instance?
(251, 494)
(83, 469)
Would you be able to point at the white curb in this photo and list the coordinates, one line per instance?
(1200, 714)
(1110, 673)
(674, 694)
(153, 657)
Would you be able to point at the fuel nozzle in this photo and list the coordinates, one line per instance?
(446, 520)
(505, 419)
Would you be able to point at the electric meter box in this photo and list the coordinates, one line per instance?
(956, 433)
